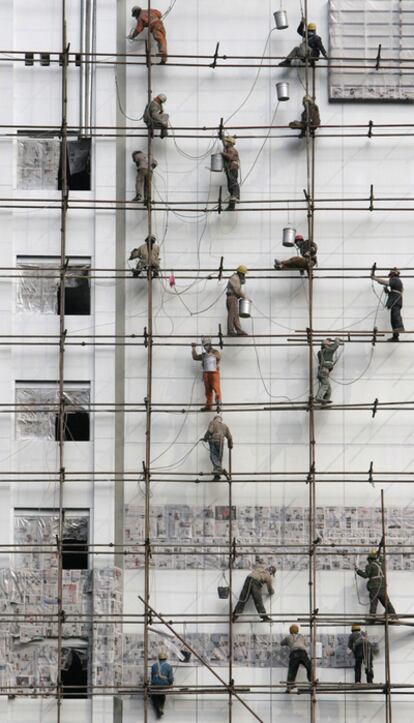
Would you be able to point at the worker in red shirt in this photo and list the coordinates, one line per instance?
(153, 22)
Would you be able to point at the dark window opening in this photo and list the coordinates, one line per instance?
(76, 427)
(74, 554)
(77, 294)
(75, 677)
(78, 165)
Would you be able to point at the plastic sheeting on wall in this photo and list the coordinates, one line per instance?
(39, 422)
(38, 285)
(38, 163)
(42, 529)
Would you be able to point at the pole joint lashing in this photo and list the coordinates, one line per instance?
(148, 548)
(370, 127)
(371, 473)
(371, 197)
(219, 202)
(220, 269)
(308, 335)
(145, 337)
(221, 129)
(214, 63)
(378, 58)
(374, 408)
(374, 336)
(146, 404)
(233, 549)
(220, 337)
(373, 269)
(310, 474)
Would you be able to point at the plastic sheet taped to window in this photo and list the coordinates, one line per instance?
(38, 163)
(42, 530)
(38, 422)
(38, 285)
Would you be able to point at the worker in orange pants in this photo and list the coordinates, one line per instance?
(156, 28)
(210, 359)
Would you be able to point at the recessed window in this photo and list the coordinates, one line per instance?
(38, 288)
(38, 412)
(41, 527)
(74, 672)
(39, 164)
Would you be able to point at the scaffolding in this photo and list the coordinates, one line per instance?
(230, 552)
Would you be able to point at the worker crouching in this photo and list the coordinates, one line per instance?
(215, 435)
(310, 118)
(310, 48)
(210, 359)
(154, 116)
(148, 255)
(252, 587)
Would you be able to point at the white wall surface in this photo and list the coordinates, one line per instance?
(264, 441)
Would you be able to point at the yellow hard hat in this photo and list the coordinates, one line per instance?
(242, 269)
(355, 628)
(163, 655)
(311, 26)
(294, 629)
(373, 553)
(231, 140)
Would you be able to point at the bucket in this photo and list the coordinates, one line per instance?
(223, 592)
(282, 90)
(289, 234)
(281, 20)
(244, 308)
(216, 162)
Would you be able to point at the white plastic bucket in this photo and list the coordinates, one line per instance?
(244, 308)
(216, 162)
(281, 19)
(289, 234)
(282, 90)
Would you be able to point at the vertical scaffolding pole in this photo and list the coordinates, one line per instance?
(388, 702)
(231, 681)
(62, 333)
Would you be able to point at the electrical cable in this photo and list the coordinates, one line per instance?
(243, 181)
(168, 10)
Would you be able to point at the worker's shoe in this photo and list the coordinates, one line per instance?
(277, 264)
(231, 333)
(206, 408)
(285, 63)
(216, 478)
(164, 61)
(240, 332)
(164, 133)
(136, 273)
(231, 206)
(136, 199)
(234, 617)
(266, 619)
(394, 337)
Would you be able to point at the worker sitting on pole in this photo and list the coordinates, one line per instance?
(148, 255)
(307, 259)
(361, 647)
(231, 168)
(161, 677)
(156, 27)
(326, 364)
(252, 587)
(298, 656)
(154, 116)
(310, 118)
(210, 359)
(394, 290)
(310, 48)
(216, 432)
(234, 292)
(143, 174)
(374, 573)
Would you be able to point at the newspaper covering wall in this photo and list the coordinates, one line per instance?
(171, 525)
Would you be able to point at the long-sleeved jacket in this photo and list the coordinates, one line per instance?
(311, 114)
(263, 576)
(217, 431)
(314, 41)
(374, 571)
(294, 642)
(154, 114)
(231, 158)
(141, 161)
(307, 249)
(141, 253)
(162, 673)
(202, 357)
(144, 21)
(234, 287)
(326, 355)
(394, 290)
(356, 639)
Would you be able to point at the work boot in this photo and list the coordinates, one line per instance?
(216, 478)
(136, 199)
(284, 63)
(394, 337)
(231, 333)
(164, 133)
(266, 619)
(240, 332)
(234, 617)
(277, 264)
(206, 408)
(231, 206)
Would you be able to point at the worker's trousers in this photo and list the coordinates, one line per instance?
(141, 184)
(212, 384)
(160, 38)
(233, 319)
(324, 391)
(297, 658)
(216, 455)
(379, 595)
(301, 52)
(363, 654)
(397, 324)
(297, 262)
(251, 588)
(232, 175)
(158, 701)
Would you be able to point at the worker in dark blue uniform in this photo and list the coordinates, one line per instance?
(310, 47)
(161, 676)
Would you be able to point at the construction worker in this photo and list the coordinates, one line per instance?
(310, 47)
(210, 359)
(155, 26)
(361, 648)
(298, 656)
(154, 116)
(310, 118)
(374, 572)
(394, 290)
(231, 168)
(148, 255)
(216, 432)
(326, 364)
(161, 676)
(234, 292)
(308, 256)
(141, 182)
(252, 587)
